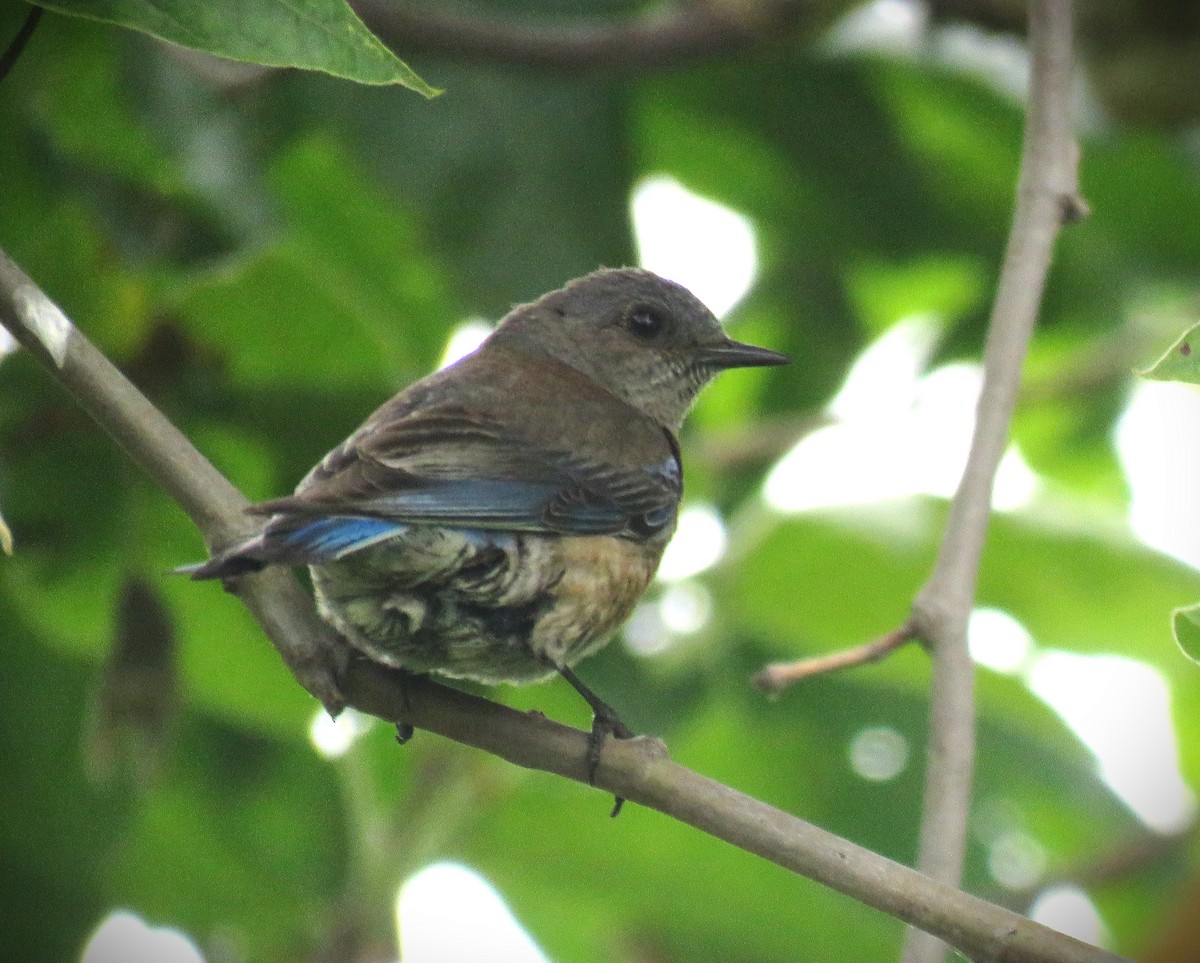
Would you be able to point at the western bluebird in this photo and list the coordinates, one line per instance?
(499, 519)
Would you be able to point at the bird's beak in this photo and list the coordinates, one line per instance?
(735, 354)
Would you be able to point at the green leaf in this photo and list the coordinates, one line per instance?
(240, 819)
(363, 303)
(522, 183)
(57, 829)
(1185, 623)
(320, 35)
(943, 287)
(1180, 362)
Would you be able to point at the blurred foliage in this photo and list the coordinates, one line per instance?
(269, 254)
(1180, 363)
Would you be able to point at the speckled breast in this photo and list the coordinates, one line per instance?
(486, 606)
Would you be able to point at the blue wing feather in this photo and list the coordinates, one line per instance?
(489, 504)
(453, 468)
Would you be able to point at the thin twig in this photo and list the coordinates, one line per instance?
(635, 769)
(779, 675)
(640, 42)
(1046, 197)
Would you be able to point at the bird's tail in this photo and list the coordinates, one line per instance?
(296, 540)
(242, 559)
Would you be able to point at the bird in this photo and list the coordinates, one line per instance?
(498, 520)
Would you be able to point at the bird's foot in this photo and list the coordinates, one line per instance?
(605, 722)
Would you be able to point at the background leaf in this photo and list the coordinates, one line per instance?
(320, 35)
(1185, 622)
(1177, 362)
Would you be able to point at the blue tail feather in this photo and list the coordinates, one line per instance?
(330, 538)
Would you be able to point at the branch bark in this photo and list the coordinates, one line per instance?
(311, 650)
(637, 769)
(656, 40)
(1046, 198)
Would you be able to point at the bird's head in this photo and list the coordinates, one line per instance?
(649, 341)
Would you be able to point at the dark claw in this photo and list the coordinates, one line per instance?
(404, 730)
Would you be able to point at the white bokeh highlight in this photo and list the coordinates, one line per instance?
(685, 607)
(1120, 709)
(698, 544)
(124, 937)
(998, 641)
(1016, 860)
(881, 26)
(1155, 440)
(448, 913)
(879, 753)
(705, 246)
(645, 634)
(464, 339)
(898, 433)
(333, 738)
(903, 29)
(1068, 910)
(885, 375)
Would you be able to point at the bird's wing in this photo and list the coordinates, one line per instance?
(448, 465)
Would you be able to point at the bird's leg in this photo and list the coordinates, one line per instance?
(605, 719)
(605, 722)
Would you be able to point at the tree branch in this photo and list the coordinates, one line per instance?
(647, 41)
(779, 675)
(636, 769)
(1046, 197)
(311, 650)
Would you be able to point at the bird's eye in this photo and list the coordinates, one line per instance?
(645, 322)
